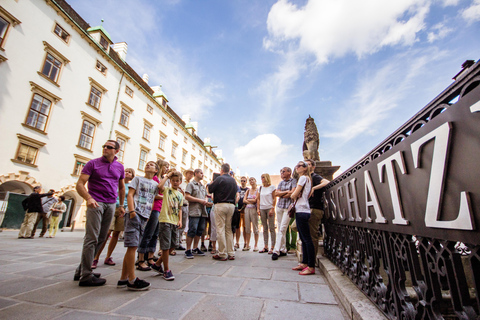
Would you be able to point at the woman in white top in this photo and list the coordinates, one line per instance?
(302, 192)
(251, 217)
(266, 210)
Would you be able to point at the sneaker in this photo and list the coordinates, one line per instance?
(168, 275)
(122, 283)
(109, 262)
(282, 254)
(274, 256)
(92, 282)
(94, 264)
(138, 285)
(180, 248)
(198, 252)
(77, 276)
(203, 248)
(159, 268)
(188, 254)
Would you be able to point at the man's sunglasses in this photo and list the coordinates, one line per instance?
(108, 147)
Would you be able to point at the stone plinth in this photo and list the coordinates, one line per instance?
(325, 169)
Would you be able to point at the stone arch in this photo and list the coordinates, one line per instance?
(71, 193)
(20, 182)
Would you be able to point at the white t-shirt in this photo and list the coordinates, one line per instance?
(266, 197)
(302, 202)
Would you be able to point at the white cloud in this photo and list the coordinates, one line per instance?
(472, 13)
(263, 150)
(333, 28)
(439, 31)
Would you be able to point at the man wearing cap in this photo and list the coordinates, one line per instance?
(196, 194)
(47, 204)
(105, 177)
(33, 206)
(224, 190)
(188, 174)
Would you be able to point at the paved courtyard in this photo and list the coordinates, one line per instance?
(36, 282)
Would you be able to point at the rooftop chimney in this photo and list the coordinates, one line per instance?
(121, 49)
(145, 78)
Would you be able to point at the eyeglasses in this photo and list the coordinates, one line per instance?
(301, 165)
(108, 147)
(243, 181)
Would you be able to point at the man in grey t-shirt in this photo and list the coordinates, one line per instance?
(196, 194)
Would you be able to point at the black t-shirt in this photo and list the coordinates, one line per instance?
(224, 189)
(242, 192)
(316, 200)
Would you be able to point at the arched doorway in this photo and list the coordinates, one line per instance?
(15, 187)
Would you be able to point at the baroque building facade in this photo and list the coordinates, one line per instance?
(65, 89)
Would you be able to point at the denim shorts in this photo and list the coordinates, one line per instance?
(167, 235)
(196, 225)
(134, 228)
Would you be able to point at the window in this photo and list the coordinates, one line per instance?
(193, 146)
(86, 135)
(146, 131)
(59, 31)
(184, 156)
(175, 131)
(192, 162)
(211, 162)
(174, 149)
(39, 111)
(200, 153)
(121, 152)
(199, 164)
(164, 121)
(185, 140)
(95, 97)
(164, 102)
(100, 67)
(161, 144)
(149, 109)
(27, 151)
(96, 93)
(129, 91)
(104, 43)
(143, 159)
(51, 67)
(124, 117)
(6, 19)
(77, 170)
(173, 165)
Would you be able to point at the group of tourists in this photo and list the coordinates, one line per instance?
(158, 207)
(45, 207)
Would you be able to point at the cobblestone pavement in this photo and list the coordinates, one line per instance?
(36, 282)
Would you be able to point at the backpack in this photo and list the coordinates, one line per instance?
(25, 203)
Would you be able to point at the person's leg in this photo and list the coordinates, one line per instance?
(271, 228)
(146, 243)
(92, 231)
(38, 218)
(283, 219)
(242, 227)
(220, 219)
(237, 238)
(248, 230)
(101, 247)
(264, 218)
(200, 230)
(255, 228)
(307, 245)
(112, 244)
(53, 225)
(314, 223)
(129, 265)
(294, 234)
(24, 227)
(228, 230)
(45, 221)
(191, 233)
(213, 233)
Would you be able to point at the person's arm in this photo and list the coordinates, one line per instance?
(161, 184)
(272, 210)
(245, 197)
(121, 196)
(257, 200)
(131, 203)
(82, 191)
(191, 198)
(297, 191)
(322, 184)
(180, 217)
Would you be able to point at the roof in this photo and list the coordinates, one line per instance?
(101, 29)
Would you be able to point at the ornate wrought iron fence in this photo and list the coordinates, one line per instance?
(410, 239)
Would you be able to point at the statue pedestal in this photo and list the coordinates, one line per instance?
(325, 169)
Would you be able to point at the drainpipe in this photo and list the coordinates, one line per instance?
(116, 104)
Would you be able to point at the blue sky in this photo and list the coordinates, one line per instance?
(251, 72)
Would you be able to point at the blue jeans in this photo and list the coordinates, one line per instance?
(307, 244)
(150, 235)
(196, 225)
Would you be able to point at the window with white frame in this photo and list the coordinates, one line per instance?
(121, 151)
(59, 31)
(163, 139)
(185, 140)
(27, 150)
(39, 111)
(100, 67)
(199, 164)
(143, 159)
(95, 97)
(149, 109)
(51, 67)
(193, 146)
(6, 21)
(192, 162)
(104, 43)
(200, 153)
(175, 131)
(125, 117)
(4, 24)
(184, 156)
(146, 131)
(86, 135)
(129, 91)
(174, 149)
(164, 121)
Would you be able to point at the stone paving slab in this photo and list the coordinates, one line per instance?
(36, 282)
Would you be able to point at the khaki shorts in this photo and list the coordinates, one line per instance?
(118, 224)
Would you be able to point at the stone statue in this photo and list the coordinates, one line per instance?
(311, 140)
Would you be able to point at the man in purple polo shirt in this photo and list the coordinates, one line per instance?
(105, 178)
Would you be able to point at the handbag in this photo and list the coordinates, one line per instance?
(291, 208)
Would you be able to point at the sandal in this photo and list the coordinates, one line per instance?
(300, 267)
(246, 249)
(151, 263)
(255, 249)
(140, 268)
(173, 252)
(270, 252)
(231, 258)
(217, 257)
(307, 271)
(263, 250)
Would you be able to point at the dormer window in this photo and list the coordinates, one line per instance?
(104, 43)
